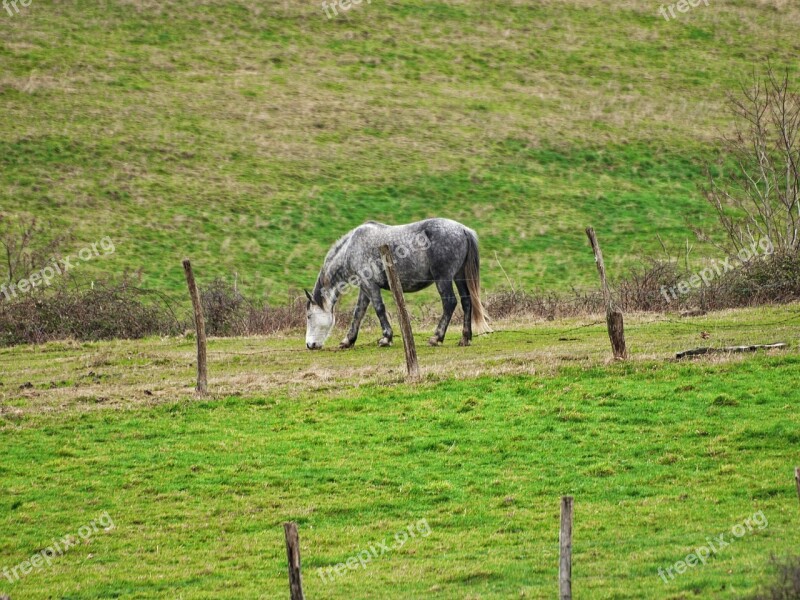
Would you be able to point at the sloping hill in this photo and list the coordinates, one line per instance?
(250, 135)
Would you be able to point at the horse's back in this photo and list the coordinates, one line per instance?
(438, 236)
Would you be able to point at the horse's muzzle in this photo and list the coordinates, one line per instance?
(313, 346)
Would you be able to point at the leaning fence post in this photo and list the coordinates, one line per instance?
(616, 329)
(565, 550)
(200, 328)
(405, 323)
(293, 556)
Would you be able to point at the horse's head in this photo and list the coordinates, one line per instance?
(319, 324)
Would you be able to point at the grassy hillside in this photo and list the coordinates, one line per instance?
(659, 455)
(250, 135)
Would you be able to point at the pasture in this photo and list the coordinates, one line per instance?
(249, 136)
(660, 455)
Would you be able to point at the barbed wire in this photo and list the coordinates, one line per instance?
(562, 332)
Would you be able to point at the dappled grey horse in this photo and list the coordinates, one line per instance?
(437, 251)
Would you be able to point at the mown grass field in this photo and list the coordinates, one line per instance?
(660, 455)
(250, 135)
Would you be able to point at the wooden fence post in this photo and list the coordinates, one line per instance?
(565, 554)
(293, 556)
(616, 329)
(405, 323)
(200, 327)
(797, 480)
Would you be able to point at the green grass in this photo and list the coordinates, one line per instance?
(250, 136)
(659, 455)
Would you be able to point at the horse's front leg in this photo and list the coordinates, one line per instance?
(358, 315)
(380, 310)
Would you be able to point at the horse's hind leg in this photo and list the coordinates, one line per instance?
(358, 314)
(449, 304)
(466, 306)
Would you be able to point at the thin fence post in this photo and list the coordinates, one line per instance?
(200, 329)
(412, 364)
(797, 480)
(614, 321)
(565, 550)
(293, 557)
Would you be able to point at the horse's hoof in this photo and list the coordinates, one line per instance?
(345, 344)
(434, 341)
(464, 342)
(384, 342)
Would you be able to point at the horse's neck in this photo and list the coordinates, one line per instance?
(334, 273)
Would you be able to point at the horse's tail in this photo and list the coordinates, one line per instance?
(472, 274)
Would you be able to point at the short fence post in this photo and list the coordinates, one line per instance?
(797, 480)
(200, 328)
(405, 323)
(565, 547)
(616, 328)
(293, 557)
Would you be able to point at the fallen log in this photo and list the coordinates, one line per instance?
(727, 349)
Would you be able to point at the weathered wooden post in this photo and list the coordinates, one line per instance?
(405, 323)
(293, 557)
(200, 328)
(616, 330)
(797, 480)
(565, 553)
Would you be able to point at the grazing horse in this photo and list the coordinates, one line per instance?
(437, 251)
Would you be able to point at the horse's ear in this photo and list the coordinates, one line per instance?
(309, 296)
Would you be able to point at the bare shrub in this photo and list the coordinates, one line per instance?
(26, 244)
(643, 289)
(787, 581)
(760, 196)
(771, 279)
(268, 319)
(225, 310)
(99, 312)
(774, 279)
(545, 305)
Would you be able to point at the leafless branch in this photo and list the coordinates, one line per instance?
(760, 196)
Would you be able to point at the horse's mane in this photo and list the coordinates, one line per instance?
(329, 268)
